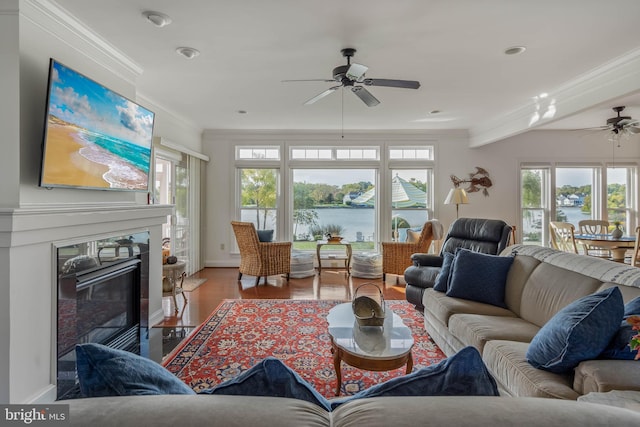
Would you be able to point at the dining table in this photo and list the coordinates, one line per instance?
(617, 246)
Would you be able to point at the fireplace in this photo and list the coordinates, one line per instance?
(102, 298)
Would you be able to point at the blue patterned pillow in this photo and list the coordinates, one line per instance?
(104, 371)
(442, 279)
(578, 332)
(270, 377)
(463, 374)
(618, 347)
(479, 277)
(265, 235)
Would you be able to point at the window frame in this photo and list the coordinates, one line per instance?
(599, 186)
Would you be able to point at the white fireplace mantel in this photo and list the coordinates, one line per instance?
(28, 284)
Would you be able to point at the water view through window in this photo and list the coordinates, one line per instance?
(344, 202)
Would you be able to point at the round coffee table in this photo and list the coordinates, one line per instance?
(372, 348)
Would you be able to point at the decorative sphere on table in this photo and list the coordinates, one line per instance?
(172, 259)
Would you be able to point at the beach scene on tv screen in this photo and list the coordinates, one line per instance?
(95, 138)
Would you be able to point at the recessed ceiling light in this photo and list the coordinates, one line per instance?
(514, 50)
(188, 52)
(156, 18)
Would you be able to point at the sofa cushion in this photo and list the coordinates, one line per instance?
(104, 371)
(477, 329)
(606, 375)
(462, 374)
(578, 332)
(442, 307)
(442, 281)
(270, 377)
(265, 235)
(507, 361)
(479, 277)
(550, 288)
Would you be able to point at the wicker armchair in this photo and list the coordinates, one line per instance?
(260, 259)
(396, 256)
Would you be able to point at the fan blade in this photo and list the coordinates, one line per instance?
(594, 128)
(633, 129)
(626, 122)
(365, 96)
(405, 84)
(322, 95)
(307, 80)
(356, 71)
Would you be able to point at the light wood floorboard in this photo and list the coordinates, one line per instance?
(222, 283)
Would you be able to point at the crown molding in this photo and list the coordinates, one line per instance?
(612, 79)
(57, 21)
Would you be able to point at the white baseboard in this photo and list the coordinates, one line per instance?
(225, 263)
(156, 317)
(48, 394)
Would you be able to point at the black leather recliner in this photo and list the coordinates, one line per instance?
(489, 236)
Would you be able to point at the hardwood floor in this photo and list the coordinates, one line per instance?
(222, 284)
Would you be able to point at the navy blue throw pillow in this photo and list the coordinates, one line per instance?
(618, 347)
(632, 308)
(265, 235)
(442, 279)
(580, 331)
(270, 377)
(479, 277)
(104, 371)
(463, 374)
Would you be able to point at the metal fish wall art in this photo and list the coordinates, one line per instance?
(478, 180)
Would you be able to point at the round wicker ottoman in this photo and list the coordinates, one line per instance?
(302, 264)
(367, 265)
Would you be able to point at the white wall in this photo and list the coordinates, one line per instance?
(32, 219)
(453, 157)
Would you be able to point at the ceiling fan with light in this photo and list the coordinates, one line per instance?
(352, 76)
(620, 126)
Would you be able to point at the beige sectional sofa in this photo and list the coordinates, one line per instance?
(243, 411)
(540, 282)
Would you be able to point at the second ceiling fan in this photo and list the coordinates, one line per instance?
(353, 76)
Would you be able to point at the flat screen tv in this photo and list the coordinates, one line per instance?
(94, 138)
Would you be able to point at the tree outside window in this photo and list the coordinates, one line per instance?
(259, 196)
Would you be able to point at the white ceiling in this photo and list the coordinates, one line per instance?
(453, 47)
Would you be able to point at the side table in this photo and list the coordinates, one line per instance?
(173, 280)
(346, 257)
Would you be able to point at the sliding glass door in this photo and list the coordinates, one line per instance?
(172, 187)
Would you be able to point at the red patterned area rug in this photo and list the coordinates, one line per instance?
(240, 333)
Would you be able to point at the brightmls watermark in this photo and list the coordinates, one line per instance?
(34, 415)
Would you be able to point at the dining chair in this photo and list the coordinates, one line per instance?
(563, 236)
(260, 259)
(594, 226)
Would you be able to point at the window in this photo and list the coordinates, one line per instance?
(580, 192)
(334, 153)
(410, 200)
(533, 195)
(577, 196)
(620, 200)
(337, 201)
(259, 197)
(411, 153)
(342, 190)
(253, 153)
